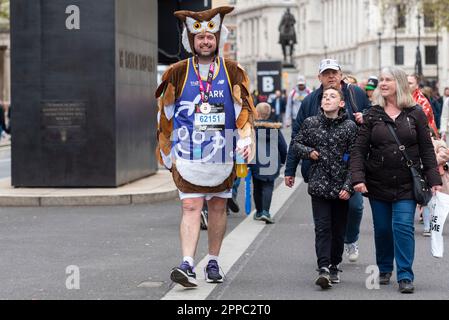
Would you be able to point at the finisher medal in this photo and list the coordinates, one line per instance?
(205, 108)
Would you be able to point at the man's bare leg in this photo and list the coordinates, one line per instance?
(190, 225)
(216, 230)
(189, 232)
(217, 224)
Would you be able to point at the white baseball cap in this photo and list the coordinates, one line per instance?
(326, 64)
(301, 80)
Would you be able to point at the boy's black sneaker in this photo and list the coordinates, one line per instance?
(213, 272)
(323, 279)
(333, 273)
(184, 275)
(233, 205)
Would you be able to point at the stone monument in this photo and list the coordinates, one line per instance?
(287, 37)
(83, 77)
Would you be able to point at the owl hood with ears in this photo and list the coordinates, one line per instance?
(204, 21)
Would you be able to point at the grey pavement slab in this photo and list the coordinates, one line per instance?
(158, 187)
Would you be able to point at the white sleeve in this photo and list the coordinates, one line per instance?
(288, 108)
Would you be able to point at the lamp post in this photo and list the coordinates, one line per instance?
(418, 62)
(395, 44)
(379, 34)
(437, 56)
(325, 51)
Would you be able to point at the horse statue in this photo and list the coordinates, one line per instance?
(287, 34)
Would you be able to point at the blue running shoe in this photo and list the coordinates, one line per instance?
(258, 216)
(213, 272)
(184, 275)
(266, 216)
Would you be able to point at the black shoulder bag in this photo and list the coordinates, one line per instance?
(352, 99)
(421, 189)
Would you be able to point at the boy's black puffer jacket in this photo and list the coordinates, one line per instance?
(333, 139)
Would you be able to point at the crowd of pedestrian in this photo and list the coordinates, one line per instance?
(352, 140)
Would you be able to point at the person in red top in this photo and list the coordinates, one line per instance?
(418, 96)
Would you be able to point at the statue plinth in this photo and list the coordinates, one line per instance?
(83, 78)
(288, 65)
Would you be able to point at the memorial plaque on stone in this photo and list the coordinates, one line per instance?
(83, 77)
(63, 122)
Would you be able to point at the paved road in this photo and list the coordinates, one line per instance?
(281, 264)
(127, 252)
(116, 249)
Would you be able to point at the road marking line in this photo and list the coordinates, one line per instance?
(234, 246)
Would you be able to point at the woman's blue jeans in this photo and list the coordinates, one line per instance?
(355, 213)
(394, 236)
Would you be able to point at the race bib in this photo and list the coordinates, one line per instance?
(213, 120)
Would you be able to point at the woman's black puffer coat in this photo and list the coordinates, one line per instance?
(377, 161)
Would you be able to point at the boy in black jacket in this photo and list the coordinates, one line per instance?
(326, 140)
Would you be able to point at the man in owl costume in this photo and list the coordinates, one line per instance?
(205, 119)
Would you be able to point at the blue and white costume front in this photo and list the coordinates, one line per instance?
(198, 152)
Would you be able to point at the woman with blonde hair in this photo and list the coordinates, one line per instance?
(381, 173)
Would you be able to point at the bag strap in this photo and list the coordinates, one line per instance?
(400, 145)
(351, 98)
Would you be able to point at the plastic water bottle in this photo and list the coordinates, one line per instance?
(241, 167)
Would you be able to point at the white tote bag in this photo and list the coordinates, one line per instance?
(439, 208)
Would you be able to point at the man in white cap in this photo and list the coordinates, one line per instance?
(330, 75)
(295, 98)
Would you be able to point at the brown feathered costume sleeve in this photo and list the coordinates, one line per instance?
(167, 93)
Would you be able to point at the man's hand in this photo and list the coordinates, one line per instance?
(314, 155)
(361, 187)
(358, 117)
(289, 181)
(435, 189)
(245, 152)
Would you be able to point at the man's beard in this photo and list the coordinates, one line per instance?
(206, 55)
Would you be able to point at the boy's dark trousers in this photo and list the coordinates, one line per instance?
(330, 218)
(263, 192)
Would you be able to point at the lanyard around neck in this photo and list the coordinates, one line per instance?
(204, 91)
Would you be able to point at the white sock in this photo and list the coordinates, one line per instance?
(211, 257)
(189, 260)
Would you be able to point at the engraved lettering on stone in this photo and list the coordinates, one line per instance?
(135, 61)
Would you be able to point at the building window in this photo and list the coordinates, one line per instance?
(429, 18)
(398, 55)
(431, 54)
(401, 15)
